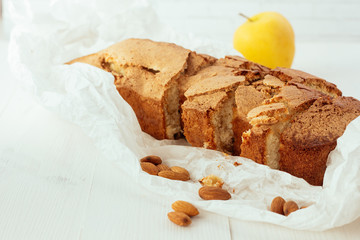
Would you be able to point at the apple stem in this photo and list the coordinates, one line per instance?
(243, 15)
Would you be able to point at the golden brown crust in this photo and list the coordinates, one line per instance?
(297, 159)
(196, 116)
(92, 59)
(323, 122)
(246, 98)
(211, 71)
(240, 125)
(270, 110)
(196, 62)
(238, 62)
(214, 84)
(273, 82)
(306, 163)
(296, 98)
(254, 144)
(204, 100)
(306, 144)
(294, 76)
(151, 70)
(243, 67)
(149, 112)
(250, 75)
(167, 59)
(287, 74)
(319, 84)
(148, 66)
(269, 86)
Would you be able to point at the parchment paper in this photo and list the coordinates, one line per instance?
(49, 33)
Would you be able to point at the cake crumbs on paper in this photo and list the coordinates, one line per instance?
(237, 164)
(227, 156)
(220, 166)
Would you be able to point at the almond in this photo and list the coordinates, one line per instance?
(149, 168)
(277, 205)
(289, 207)
(152, 159)
(213, 193)
(212, 180)
(163, 167)
(174, 175)
(185, 207)
(179, 218)
(180, 170)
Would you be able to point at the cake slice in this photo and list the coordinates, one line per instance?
(247, 98)
(261, 143)
(228, 66)
(147, 76)
(211, 71)
(207, 113)
(312, 135)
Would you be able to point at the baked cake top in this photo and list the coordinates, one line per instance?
(297, 76)
(164, 60)
(203, 103)
(247, 98)
(214, 84)
(296, 98)
(322, 123)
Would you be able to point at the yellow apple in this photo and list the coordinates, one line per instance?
(266, 38)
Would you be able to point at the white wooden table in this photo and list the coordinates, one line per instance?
(54, 184)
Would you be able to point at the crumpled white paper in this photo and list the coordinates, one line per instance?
(47, 34)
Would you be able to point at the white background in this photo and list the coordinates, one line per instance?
(54, 184)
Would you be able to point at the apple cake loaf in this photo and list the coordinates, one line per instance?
(284, 118)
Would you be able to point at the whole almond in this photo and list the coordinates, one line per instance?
(277, 205)
(149, 168)
(163, 167)
(152, 159)
(213, 193)
(174, 175)
(289, 207)
(180, 170)
(185, 207)
(179, 218)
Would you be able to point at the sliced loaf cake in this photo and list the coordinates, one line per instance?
(284, 118)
